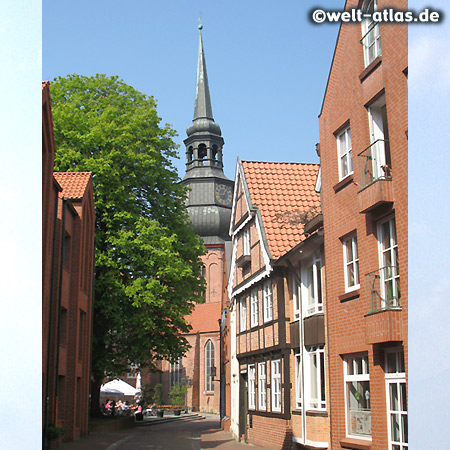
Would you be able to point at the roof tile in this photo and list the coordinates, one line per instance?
(277, 188)
(73, 184)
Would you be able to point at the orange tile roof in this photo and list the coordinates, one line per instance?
(205, 317)
(73, 183)
(277, 188)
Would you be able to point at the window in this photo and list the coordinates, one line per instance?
(246, 241)
(254, 310)
(268, 302)
(379, 160)
(357, 395)
(175, 372)
(390, 277)
(262, 386)
(313, 285)
(344, 144)
(370, 34)
(316, 382)
(298, 381)
(276, 385)
(210, 369)
(251, 387)
(243, 316)
(351, 262)
(396, 400)
(296, 298)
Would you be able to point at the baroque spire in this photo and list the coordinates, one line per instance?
(203, 107)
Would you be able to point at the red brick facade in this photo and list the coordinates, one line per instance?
(68, 252)
(365, 208)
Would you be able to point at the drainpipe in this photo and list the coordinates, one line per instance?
(220, 372)
(50, 321)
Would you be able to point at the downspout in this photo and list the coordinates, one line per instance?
(220, 372)
(92, 326)
(52, 281)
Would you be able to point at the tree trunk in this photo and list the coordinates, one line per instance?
(95, 399)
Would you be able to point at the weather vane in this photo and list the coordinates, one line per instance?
(200, 26)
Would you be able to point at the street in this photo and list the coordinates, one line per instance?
(197, 434)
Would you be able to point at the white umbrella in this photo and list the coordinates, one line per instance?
(124, 388)
(138, 382)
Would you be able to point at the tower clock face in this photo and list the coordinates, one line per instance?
(223, 194)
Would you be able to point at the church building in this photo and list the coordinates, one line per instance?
(209, 206)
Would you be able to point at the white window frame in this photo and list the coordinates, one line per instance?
(262, 387)
(396, 384)
(370, 31)
(251, 386)
(246, 242)
(312, 285)
(275, 385)
(296, 293)
(389, 273)
(315, 382)
(254, 308)
(209, 366)
(351, 263)
(359, 365)
(268, 301)
(243, 313)
(344, 148)
(298, 380)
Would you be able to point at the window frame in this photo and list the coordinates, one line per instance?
(345, 154)
(316, 305)
(262, 386)
(251, 391)
(396, 378)
(354, 262)
(363, 377)
(254, 309)
(243, 314)
(319, 402)
(175, 372)
(275, 386)
(246, 243)
(209, 366)
(393, 272)
(298, 380)
(366, 28)
(296, 297)
(267, 301)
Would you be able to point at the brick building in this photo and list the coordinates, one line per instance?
(209, 208)
(68, 252)
(278, 385)
(364, 159)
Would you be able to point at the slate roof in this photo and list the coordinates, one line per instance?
(73, 184)
(205, 317)
(277, 188)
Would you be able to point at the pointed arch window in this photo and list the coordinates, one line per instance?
(210, 369)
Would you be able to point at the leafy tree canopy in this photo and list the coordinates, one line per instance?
(147, 257)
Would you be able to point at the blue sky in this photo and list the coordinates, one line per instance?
(267, 67)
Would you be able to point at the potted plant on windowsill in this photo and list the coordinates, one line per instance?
(54, 436)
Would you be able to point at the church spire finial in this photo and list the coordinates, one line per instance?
(202, 107)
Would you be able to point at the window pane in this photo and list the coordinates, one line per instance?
(395, 427)
(405, 428)
(313, 375)
(394, 397)
(391, 363)
(322, 376)
(403, 398)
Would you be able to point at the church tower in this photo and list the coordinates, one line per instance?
(211, 192)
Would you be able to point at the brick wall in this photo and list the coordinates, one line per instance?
(351, 89)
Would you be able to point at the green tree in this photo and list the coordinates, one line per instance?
(147, 257)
